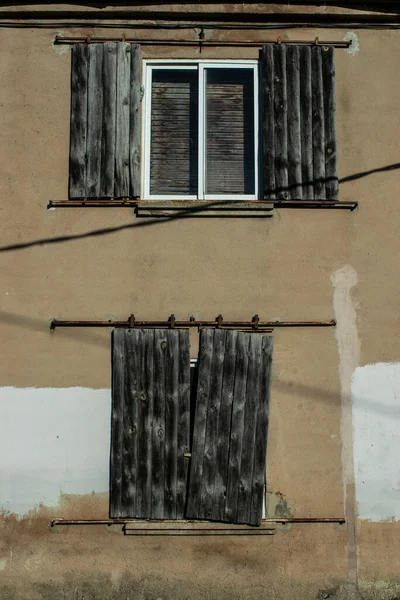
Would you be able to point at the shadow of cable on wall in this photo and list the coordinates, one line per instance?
(183, 214)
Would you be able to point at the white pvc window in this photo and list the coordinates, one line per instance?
(201, 130)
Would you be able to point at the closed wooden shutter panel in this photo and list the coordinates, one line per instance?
(105, 121)
(150, 423)
(227, 474)
(299, 136)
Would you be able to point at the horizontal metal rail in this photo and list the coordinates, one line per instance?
(129, 203)
(254, 325)
(184, 523)
(154, 42)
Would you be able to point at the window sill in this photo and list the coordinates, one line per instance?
(204, 208)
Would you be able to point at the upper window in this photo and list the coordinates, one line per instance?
(201, 133)
(200, 139)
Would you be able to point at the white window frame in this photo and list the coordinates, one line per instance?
(200, 66)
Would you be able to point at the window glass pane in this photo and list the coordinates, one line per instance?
(230, 131)
(174, 132)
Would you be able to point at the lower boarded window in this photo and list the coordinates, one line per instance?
(189, 451)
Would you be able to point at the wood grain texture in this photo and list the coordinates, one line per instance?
(318, 124)
(95, 120)
(199, 435)
(294, 127)
(78, 131)
(249, 429)
(307, 167)
(135, 134)
(158, 445)
(146, 408)
(328, 75)
(260, 446)
(109, 83)
(224, 428)
(268, 120)
(121, 189)
(183, 436)
(117, 417)
(281, 117)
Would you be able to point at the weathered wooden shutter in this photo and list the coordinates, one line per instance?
(227, 473)
(150, 423)
(298, 89)
(105, 121)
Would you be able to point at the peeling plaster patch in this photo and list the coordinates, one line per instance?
(59, 49)
(3, 564)
(376, 422)
(52, 442)
(352, 37)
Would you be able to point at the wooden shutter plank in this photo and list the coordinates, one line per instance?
(171, 422)
(144, 399)
(280, 114)
(199, 437)
(117, 416)
(224, 428)
(294, 137)
(135, 100)
(307, 168)
(78, 132)
(318, 124)
(249, 429)
(157, 510)
(237, 426)
(131, 425)
(211, 439)
(183, 423)
(328, 73)
(268, 121)
(95, 120)
(121, 188)
(109, 83)
(260, 447)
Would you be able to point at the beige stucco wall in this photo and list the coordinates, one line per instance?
(282, 267)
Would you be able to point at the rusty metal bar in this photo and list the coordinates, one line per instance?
(315, 520)
(129, 203)
(254, 325)
(87, 39)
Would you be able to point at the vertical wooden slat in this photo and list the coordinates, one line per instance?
(78, 132)
(135, 100)
(199, 437)
(268, 120)
(109, 83)
(95, 120)
(157, 510)
(280, 114)
(224, 428)
(171, 422)
(249, 429)
(131, 422)
(318, 124)
(307, 168)
(182, 463)
(328, 74)
(294, 137)
(211, 441)
(121, 188)
(237, 426)
(117, 416)
(144, 401)
(260, 446)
